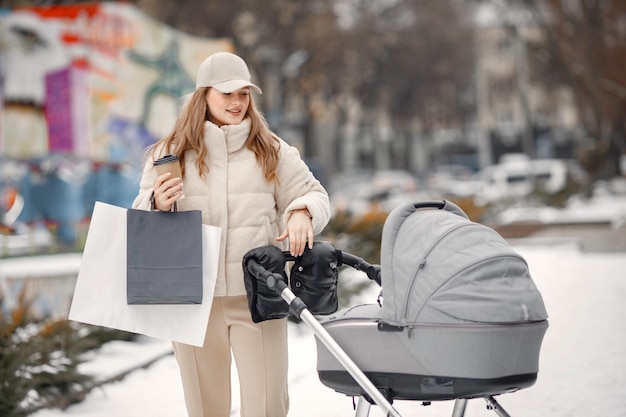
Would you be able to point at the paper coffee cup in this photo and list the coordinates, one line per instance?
(168, 163)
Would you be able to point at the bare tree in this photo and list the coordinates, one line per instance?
(405, 59)
(585, 49)
(411, 58)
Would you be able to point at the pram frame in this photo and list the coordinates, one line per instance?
(300, 310)
(460, 405)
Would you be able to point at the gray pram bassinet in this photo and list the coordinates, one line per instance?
(460, 318)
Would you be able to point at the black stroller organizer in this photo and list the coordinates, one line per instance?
(461, 317)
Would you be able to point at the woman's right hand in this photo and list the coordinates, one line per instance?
(167, 191)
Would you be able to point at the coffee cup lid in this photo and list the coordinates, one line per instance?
(165, 159)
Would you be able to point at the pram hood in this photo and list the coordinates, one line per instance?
(438, 267)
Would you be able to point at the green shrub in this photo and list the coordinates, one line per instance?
(39, 360)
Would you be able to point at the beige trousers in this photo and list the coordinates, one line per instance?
(260, 352)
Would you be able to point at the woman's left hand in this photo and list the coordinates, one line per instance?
(299, 230)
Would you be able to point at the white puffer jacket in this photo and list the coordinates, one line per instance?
(236, 197)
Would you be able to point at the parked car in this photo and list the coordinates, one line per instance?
(357, 191)
(517, 176)
(453, 181)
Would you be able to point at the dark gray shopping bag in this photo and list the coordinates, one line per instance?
(164, 257)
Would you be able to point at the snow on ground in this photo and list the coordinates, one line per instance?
(582, 365)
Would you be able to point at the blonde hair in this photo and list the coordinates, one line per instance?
(188, 134)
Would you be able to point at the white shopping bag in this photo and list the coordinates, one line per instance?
(100, 293)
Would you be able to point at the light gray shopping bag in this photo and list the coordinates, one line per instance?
(100, 295)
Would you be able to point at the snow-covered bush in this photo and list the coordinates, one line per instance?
(39, 360)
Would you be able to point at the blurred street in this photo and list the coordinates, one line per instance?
(514, 111)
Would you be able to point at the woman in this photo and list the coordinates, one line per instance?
(250, 183)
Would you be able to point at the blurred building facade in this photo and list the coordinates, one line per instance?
(85, 88)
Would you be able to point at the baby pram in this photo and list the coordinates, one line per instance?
(461, 317)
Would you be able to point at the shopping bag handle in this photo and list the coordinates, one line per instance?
(173, 209)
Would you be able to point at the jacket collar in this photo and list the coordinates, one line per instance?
(234, 136)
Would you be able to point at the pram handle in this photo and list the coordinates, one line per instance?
(271, 278)
(345, 258)
(372, 271)
(441, 205)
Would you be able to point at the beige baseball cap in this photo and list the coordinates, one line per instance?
(225, 72)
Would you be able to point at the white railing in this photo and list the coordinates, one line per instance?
(48, 282)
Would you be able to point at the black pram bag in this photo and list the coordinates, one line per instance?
(313, 278)
(265, 303)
